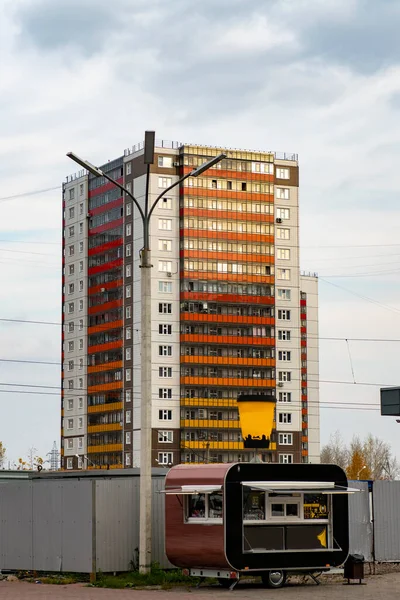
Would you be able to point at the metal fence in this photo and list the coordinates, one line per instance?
(88, 522)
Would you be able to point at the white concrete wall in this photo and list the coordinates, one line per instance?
(79, 335)
(292, 325)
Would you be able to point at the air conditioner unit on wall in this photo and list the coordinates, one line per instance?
(169, 274)
(279, 220)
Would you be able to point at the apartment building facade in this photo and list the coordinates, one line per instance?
(230, 310)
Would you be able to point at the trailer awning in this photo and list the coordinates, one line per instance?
(306, 487)
(194, 489)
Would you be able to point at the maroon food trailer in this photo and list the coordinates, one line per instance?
(267, 519)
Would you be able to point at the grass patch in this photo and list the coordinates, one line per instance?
(156, 577)
(53, 578)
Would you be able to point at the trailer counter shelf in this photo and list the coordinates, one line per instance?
(257, 517)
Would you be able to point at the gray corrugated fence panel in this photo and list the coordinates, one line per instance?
(46, 523)
(76, 525)
(360, 526)
(387, 520)
(117, 523)
(16, 525)
(158, 524)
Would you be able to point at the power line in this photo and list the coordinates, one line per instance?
(353, 246)
(31, 193)
(366, 298)
(30, 242)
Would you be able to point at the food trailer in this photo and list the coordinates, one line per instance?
(267, 519)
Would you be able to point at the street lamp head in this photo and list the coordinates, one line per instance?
(207, 165)
(85, 164)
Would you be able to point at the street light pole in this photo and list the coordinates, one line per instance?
(145, 496)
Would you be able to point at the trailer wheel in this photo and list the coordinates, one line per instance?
(274, 579)
(224, 582)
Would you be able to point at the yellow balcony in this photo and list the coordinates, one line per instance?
(207, 423)
(210, 402)
(105, 448)
(105, 407)
(212, 445)
(104, 427)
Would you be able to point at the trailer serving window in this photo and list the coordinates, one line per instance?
(202, 503)
(288, 516)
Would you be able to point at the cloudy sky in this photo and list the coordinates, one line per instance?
(317, 77)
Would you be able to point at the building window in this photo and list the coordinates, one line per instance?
(285, 418)
(80, 443)
(71, 307)
(128, 209)
(165, 458)
(128, 416)
(71, 231)
(284, 376)
(283, 274)
(165, 203)
(128, 168)
(70, 423)
(128, 437)
(282, 193)
(71, 212)
(72, 194)
(165, 245)
(80, 304)
(70, 464)
(284, 294)
(283, 213)
(128, 333)
(128, 395)
(128, 250)
(164, 329)
(71, 250)
(70, 443)
(165, 287)
(165, 224)
(165, 161)
(70, 365)
(80, 364)
(70, 346)
(165, 393)
(81, 189)
(81, 208)
(70, 404)
(165, 371)
(128, 271)
(282, 173)
(164, 182)
(286, 439)
(282, 233)
(165, 350)
(80, 227)
(80, 324)
(166, 436)
(128, 374)
(81, 285)
(284, 335)
(165, 308)
(128, 230)
(80, 246)
(70, 327)
(71, 288)
(80, 403)
(70, 384)
(284, 355)
(286, 459)
(80, 383)
(81, 266)
(283, 253)
(128, 459)
(165, 266)
(283, 314)
(128, 312)
(165, 415)
(80, 462)
(128, 353)
(80, 422)
(128, 291)
(71, 269)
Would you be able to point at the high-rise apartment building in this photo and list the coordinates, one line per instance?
(231, 313)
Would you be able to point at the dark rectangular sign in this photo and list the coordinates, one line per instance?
(390, 402)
